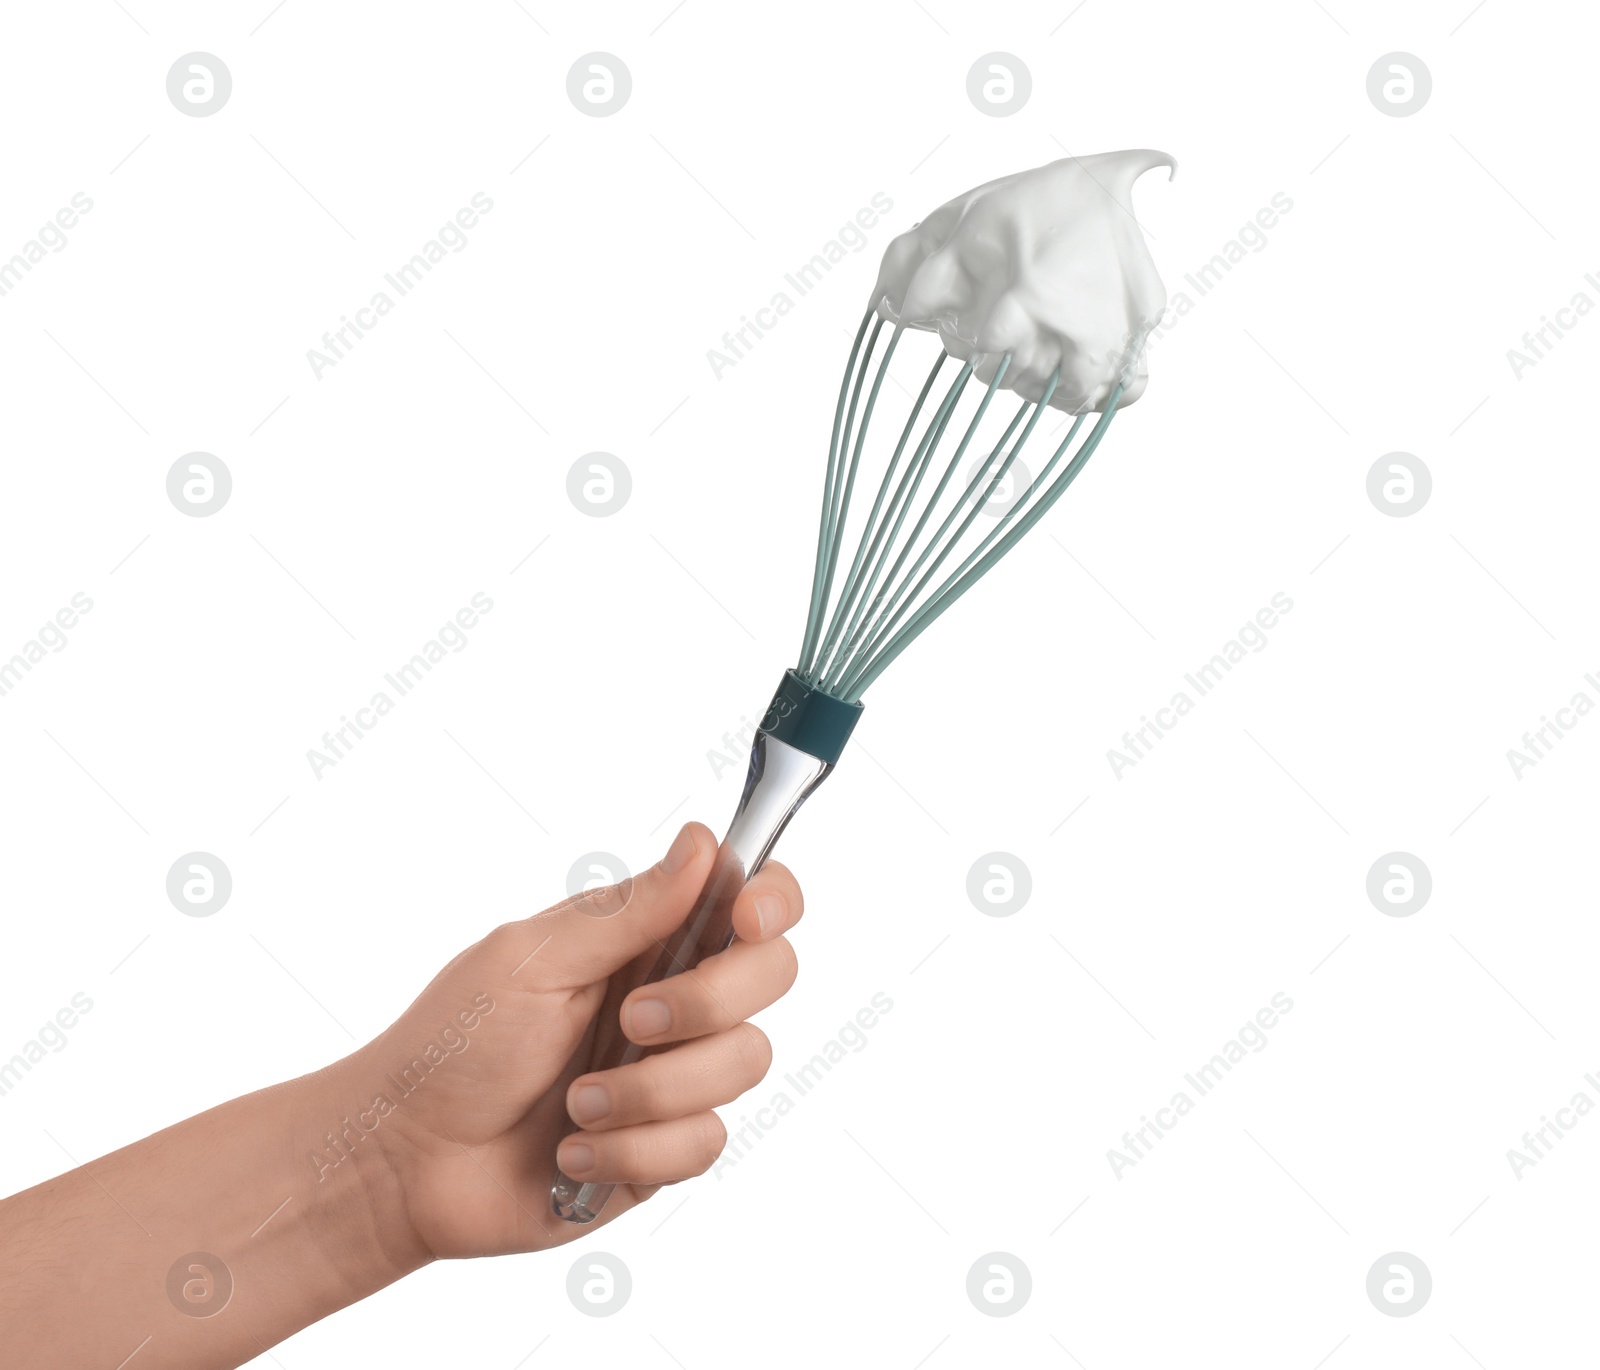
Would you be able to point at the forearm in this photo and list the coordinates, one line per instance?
(93, 1258)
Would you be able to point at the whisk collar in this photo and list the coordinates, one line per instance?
(809, 719)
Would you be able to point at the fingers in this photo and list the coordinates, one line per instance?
(720, 992)
(651, 1153)
(586, 938)
(674, 1084)
(769, 905)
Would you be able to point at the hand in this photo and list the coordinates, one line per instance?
(436, 1139)
(490, 1055)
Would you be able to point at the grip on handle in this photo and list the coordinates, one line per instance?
(708, 930)
(799, 740)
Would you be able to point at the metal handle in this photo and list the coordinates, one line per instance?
(780, 780)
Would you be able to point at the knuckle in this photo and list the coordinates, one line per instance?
(606, 901)
(706, 1143)
(790, 959)
(707, 1009)
(646, 1097)
(754, 1050)
(503, 941)
(630, 1157)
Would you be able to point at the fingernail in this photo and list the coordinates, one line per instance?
(769, 912)
(681, 853)
(576, 1157)
(590, 1103)
(648, 1018)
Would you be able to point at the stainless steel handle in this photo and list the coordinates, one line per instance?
(780, 780)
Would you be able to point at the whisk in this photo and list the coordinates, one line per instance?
(856, 628)
(853, 636)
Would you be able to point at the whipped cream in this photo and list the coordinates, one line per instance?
(1048, 265)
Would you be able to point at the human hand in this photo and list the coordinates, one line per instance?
(443, 1141)
(482, 1072)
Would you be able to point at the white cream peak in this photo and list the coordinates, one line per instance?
(1048, 265)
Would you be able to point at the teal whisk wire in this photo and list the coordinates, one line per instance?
(872, 606)
(899, 602)
(976, 501)
(841, 521)
(872, 532)
(949, 471)
(832, 528)
(901, 501)
(814, 615)
(884, 603)
(968, 573)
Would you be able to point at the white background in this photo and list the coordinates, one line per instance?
(1229, 865)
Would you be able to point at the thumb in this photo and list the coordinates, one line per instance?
(587, 938)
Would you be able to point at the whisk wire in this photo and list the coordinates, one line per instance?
(971, 498)
(933, 499)
(884, 603)
(842, 517)
(834, 524)
(814, 614)
(869, 612)
(873, 531)
(998, 543)
(904, 495)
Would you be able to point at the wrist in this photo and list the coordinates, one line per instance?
(349, 1165)
(226, 1238)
